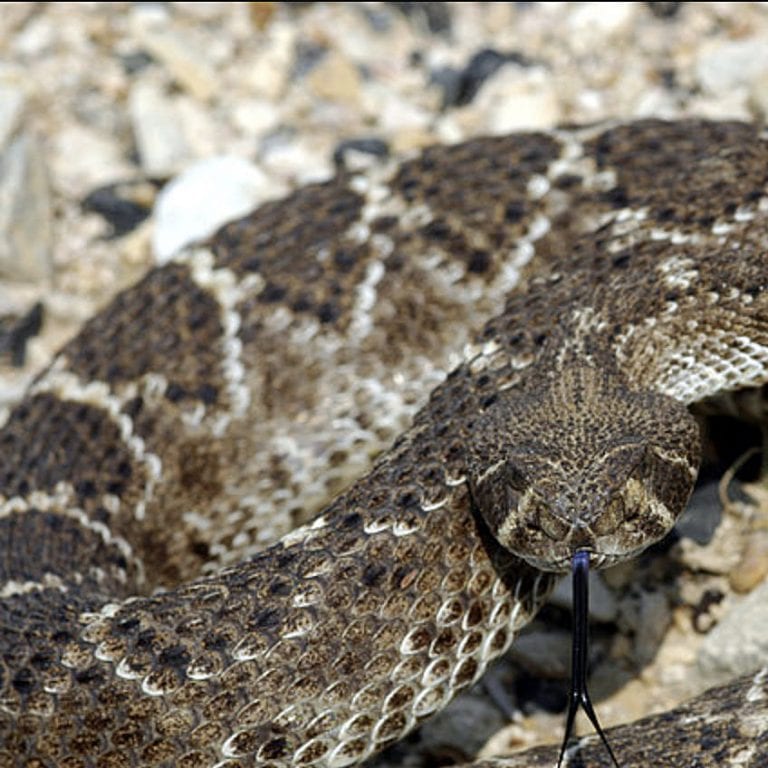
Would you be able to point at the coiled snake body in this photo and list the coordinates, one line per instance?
(254, 376)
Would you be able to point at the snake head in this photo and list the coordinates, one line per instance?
(610, 478)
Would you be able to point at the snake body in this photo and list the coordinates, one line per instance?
(624, 268)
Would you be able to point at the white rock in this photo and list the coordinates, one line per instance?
(255, 117)
(596, 20)
(25, 212)
(267, 75)
(82, 158)
(205, 196)
(518, 99)
(37, 36)
(723, 66)
(299, 161)
(157, 128)
(738, 645)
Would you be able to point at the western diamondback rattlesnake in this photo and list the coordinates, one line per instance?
(260, 371)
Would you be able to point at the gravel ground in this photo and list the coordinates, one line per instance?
(112, 115)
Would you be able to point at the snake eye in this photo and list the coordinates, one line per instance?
(514, 477)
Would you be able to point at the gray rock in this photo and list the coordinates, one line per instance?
(545, 652)
(602, 603)
(25, 212)
(163, 149)
(653, 620)
(702, 515)
(727, 65)
(185, 63)
(738, 645)
(12, 100)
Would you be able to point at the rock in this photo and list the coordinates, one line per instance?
(544, 652)
(724, 66)
(664, 10)
(81, 158)
(157, 129)
(124, 205)
(208, 194)
(301, 162)
(15, 332)
(602, 603)
(255, 117)
(738, 645)
(336, 79)
(261, 14)
(187, 66)
(268, 75)
(436, 17)
(37, 36)
(25, 212)
(518, 99)
(758, 96)
(12, 101)
(462, 727)
(653, 620)
(356, 154)
(701, 517)
(752, 565)
(593, 22)
(460, 87)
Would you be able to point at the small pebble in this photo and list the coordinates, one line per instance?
(337, 79)
(123, 205)
(355, 154)
(26, 237)
(162, 147)
(184, 62)
(12, 103)
(461, 87)
(16, 331)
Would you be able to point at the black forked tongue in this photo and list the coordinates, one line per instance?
(579, 695)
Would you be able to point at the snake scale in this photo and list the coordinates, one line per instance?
(624, 270)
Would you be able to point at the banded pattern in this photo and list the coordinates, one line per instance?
(240, 389)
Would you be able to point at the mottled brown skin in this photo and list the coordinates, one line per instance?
(201, 404)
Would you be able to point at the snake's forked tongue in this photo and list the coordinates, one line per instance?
(579, 695)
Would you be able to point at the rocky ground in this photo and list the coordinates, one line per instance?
(113, 117)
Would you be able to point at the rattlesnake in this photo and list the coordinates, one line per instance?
(259, 371)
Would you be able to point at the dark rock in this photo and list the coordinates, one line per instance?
(16, 330)
(123, 204)
(307, 56)
(461, 86)
(702, 515)
(664, 10)
(369, 146)
(435, 17)
(135, 62)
